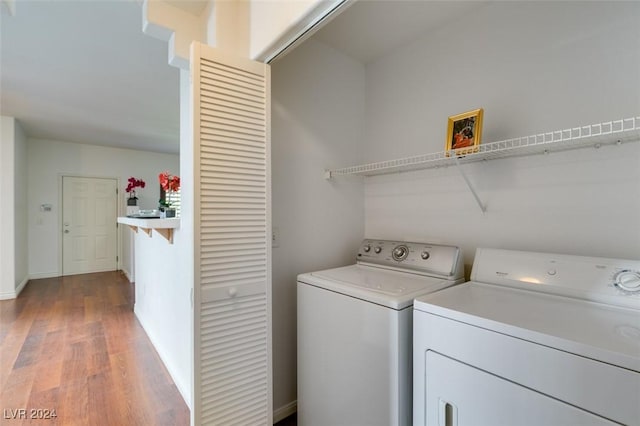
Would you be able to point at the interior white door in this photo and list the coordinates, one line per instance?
(232, 237)
(89, 227)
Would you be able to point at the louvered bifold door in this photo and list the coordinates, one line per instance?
(232, 294)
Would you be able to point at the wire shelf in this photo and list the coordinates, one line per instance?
(594, 135)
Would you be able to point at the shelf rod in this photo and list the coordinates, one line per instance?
(615, 131)
(473, 191)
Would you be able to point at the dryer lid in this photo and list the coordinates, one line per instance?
(598, 331)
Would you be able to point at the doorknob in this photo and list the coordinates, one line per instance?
(66, 231)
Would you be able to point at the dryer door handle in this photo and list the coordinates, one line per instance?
(447, 413)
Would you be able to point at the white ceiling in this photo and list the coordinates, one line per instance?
(83, 71)
(370, 29)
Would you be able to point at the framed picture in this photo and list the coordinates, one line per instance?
(463, 132)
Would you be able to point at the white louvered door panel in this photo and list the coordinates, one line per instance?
(232, 294)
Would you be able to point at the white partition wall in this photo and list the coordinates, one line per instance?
(232, 276)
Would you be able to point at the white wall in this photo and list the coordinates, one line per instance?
(581, 66)
(178, 27)
(270, 19)
(317, 122)
(164, 272)
(533, 67)
(21, 252)
(185, 242)
(252, 29)
(7, 231)
(49, 160)
(163, 303)
(13, 224)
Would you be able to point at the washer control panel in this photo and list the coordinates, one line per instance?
(430, 259)
(400, 252)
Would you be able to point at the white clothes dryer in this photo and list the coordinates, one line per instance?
(534, 339)
(354, 332)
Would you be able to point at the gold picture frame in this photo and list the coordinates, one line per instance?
(464, 132)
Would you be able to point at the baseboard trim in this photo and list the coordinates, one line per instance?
(8, 295)
(22, 285)
(285, 411)
(163, 358)
(42, 275)
(127, 274)
(14, 294)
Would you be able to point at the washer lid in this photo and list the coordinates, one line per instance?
(602, 332)
(393, 289)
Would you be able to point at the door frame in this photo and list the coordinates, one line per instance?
(59, 227)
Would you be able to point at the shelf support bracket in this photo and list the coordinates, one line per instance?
(473, 191)
(167, 233)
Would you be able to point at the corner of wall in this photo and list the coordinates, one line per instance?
(179, 28)
(7, 213)
(276, 26)
(285, 411)
(8, 7)
(128, 274)
(21, 286)
(21, 237)
(228, 27)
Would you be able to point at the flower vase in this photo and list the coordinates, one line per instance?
(167, 212)
(132, 200)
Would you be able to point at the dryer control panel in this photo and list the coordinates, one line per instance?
(424, 258)
(614, 281)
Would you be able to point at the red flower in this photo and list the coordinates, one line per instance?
(134, 183)
(169, 182)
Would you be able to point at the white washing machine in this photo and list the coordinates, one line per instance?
(354, 332)
(534, 339)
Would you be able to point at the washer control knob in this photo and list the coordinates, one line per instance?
(424, 255)
(400, 253)
(367, 248)
(552, 272)
(627, 281)
(377, 250)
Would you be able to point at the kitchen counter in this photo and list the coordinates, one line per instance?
(163, 227)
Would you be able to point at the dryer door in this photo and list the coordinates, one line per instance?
(460, 395)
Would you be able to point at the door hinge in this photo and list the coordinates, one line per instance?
(116, 190)
(116, 258)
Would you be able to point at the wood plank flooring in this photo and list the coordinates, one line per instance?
(292, 420)
(73, 345)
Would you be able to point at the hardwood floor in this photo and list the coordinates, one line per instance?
(292, 420)
(73, 345)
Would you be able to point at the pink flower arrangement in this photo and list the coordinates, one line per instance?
(134, 183)
(169, 182)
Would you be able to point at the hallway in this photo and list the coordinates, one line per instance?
(73, 345)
